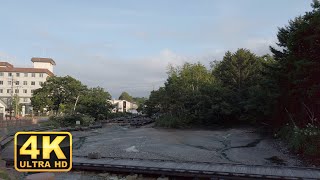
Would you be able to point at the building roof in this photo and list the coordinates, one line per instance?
(6, 64)
(26, 70)
(46, 60)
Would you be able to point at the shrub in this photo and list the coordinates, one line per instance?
(172, 121)
(305, 140)
(69, 120)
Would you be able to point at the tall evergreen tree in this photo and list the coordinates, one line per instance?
(298, 68)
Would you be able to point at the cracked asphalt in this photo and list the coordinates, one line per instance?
(237, 145)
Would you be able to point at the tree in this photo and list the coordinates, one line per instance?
(125, 96)
(180, 96)
(297, 69)
(140, 101)
(93, 102)
(240, 73)
(16, 104)
(57, 92)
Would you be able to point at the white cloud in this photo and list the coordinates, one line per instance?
(137, 76)
(260, 46)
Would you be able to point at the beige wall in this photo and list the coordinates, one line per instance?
(2, 110)
(24, 97)
(119, 104)
(43, 65)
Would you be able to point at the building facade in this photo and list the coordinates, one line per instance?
(21, 82)
(123, 106)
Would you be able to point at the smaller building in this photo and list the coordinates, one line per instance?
(123, 106)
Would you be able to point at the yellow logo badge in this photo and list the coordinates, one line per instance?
(43, 151)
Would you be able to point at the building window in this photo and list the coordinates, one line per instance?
(9, 74)
(33, 83)
(1, 82)
(1, 91)
(25, 74)
(33, 75)
(32, 91)
(1, 73)
(25, 99)
(17, 82)
(25, 82)
(8, 91)
(25, 91)
(41, 75)
(40, 83)
(16, 91)
(9, 83)
(18, 74)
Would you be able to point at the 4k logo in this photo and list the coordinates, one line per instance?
(43, 151)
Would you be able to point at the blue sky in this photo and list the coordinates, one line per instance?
(126, 45)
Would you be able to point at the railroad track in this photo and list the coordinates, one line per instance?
(191, 169)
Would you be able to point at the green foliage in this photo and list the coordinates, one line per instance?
(180, 96)
(245, 88)
(240, 74)
(66, 95)
(93, 102)
(126, 96)
(172, 122)
(69, 120)
(16, 104)
(139, 100)
(304, 140)
(230, 92)
(57, 92)
(297, 71)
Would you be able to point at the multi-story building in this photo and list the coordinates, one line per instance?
(22, 82)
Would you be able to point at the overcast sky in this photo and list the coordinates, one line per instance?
(126, 45)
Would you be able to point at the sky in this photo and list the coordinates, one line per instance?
(126, 45)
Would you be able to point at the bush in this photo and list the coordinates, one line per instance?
(69, 120)
(304, 140)
(172, 121)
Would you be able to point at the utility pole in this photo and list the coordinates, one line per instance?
(11, 102)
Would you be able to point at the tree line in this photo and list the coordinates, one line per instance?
(245, 88)
(66, 95)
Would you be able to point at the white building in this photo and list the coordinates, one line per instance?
(123, 106)
(22, 82)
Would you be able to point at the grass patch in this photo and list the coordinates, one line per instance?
(4, 175)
